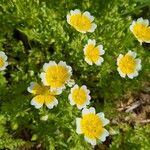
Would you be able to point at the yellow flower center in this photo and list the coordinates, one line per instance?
(43, 94)
(80, 22)
(92, 53)
(127, 64)
(56, 76)
(1, 62)
(79, 96)
(37, 89)
(91, 126)
(142, 32)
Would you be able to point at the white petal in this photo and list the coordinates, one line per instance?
(88, 15)
(99, 61)
(75, 12)
(101, 51)
(118, 59)
(88, 111)
(71, 101)
(31, 86)
(57, 91)
(132, 26)
(101, 115)
(140, 20)
(43, 79)
(104, 135)
(133, 54)
(147, 41)
(47, 65)
(146, 22)
(81, 31)
(90, 41)
(63, 64)
(53, 89)
(143, 21)
(135, 74)
(85, 48)
(81, 106)
(94, 26)
(85, 104)
(3, 56)
(92, 110)
(68, 18)
(88, 61)
(75, 87)
(103, 119)
(138, 62)
(121, 73)
(71, 82)
(88, 99)
(131, 76)
(4, 66)
(91, 141)
(78, 126)
(52, 104)
(36, 104)
(85, 89)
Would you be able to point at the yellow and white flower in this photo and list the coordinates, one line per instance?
(92, 125)
(128, 65)
(56, 75)
(141, 30)
(79, 96)
(3, 61)
(82, 22)
(43, 95)
(93, 53)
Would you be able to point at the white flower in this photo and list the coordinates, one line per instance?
(43, 95)
(82, 22)
(128, 65)
(93, 53)
(141, 30)
(3, 61)
(79, 96)
(56, 75)
(92, 125)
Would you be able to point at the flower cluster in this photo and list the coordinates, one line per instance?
(128, 64)
(54, 78)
